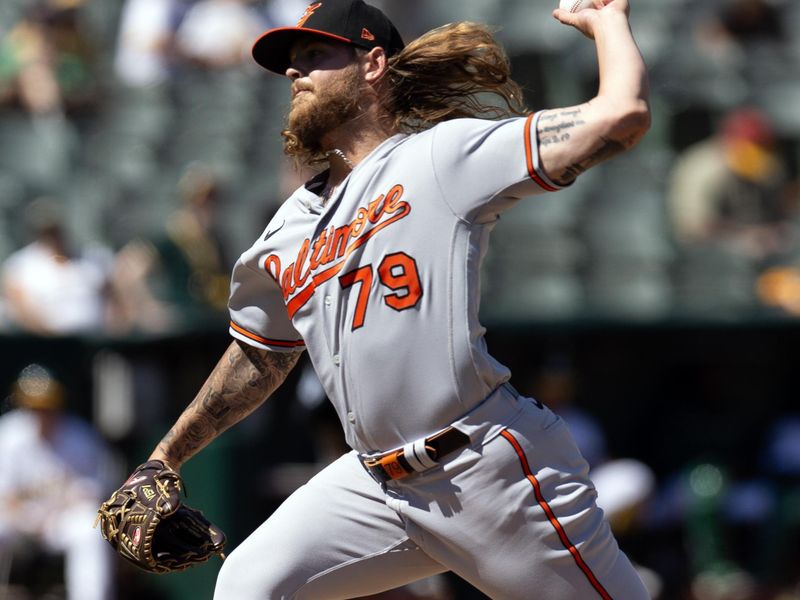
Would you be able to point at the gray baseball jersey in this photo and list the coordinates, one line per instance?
(382, 284)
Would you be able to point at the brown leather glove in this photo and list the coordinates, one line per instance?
(148, 525)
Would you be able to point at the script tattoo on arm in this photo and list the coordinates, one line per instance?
(574, 142)
(555, 127)
(242, 380)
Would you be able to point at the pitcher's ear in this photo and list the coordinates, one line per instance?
(375, 64)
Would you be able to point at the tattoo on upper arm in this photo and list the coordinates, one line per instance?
(606, 150)
(268, 368)
(245, 377)
(554, 126)
(559, 126)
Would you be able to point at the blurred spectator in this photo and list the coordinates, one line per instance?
(145, 43)
(51, 290)
(219, 33)
(779, 287)
(738, 24)
(182, 278)
(47, 60)
(752, 20)
(730, 189)
(54, 471)
(741, 529)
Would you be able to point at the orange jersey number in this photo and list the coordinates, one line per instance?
(398, 272)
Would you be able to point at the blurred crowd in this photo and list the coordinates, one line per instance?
(139, 155)
(54, 469)
(151, 137)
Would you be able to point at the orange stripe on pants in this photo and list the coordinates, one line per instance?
(537, 490)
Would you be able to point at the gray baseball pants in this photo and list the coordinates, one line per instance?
(514, 514)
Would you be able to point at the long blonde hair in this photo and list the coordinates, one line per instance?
(446, 74)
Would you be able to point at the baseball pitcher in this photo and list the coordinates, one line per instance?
(372, 267)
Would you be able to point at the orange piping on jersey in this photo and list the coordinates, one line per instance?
(266, 341)
(529, 158)
(537, 490)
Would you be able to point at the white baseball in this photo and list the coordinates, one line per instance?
(574, 6)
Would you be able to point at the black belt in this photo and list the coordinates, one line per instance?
(396, 464)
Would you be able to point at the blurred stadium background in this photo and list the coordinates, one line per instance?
(120, 117)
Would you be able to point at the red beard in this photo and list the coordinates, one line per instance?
(317, 112)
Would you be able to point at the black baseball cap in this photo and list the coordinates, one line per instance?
(350, 21)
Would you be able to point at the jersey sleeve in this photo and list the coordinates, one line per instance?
(485, 166)
(258, 313)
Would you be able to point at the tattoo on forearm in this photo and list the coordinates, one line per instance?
(243, 379)
(606, 150)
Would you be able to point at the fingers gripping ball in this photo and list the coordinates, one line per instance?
(146, 523)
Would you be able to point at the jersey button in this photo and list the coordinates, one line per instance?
(351, 416)
(336, 360)
(328, 301)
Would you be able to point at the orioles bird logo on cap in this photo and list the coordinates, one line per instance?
(309, 11)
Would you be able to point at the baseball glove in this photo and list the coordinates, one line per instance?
(147, 524)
